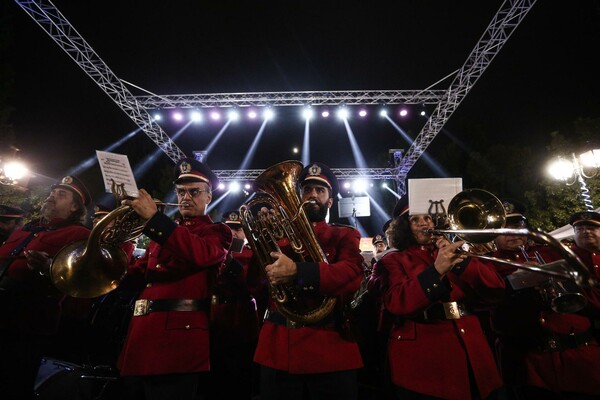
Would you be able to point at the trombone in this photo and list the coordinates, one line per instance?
(477, 216)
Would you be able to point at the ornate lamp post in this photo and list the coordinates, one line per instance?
(577, 169)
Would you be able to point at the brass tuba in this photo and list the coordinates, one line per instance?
(281, 216)
(93, 267)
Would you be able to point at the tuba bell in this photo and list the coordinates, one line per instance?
(93, 267)
(281, 216)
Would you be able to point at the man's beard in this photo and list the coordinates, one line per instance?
(48, 210)
(316, 212)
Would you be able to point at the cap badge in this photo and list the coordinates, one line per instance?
(67, 180)
(378, 237)
(314, 170)
(233, 217)
(185, 168)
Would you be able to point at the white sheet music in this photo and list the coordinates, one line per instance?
(421, 192)
(116, 166)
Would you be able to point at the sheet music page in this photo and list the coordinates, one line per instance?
(421, 192)
(116, 166)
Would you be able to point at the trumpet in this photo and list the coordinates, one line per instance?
(477, 216)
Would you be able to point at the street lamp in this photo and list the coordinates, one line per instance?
(586, 165)
(12, 171)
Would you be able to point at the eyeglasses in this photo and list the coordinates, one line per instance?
(589, 228)
(193, 192)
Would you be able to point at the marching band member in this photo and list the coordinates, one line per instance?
(436, 347)
(547, 349)
(167, 345)
(315, 359)
(234, 318)
(30, 308)
(11, 218)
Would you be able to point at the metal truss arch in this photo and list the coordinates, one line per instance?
(510, 14)
(280, 99)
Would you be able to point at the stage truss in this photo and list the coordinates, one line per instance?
(138, 108)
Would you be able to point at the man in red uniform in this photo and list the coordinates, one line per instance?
(316, 358)
(167, 345)
(30, 307)
(11, 218)
(544, 349)
(234, 319)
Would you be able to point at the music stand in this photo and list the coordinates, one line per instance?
(354, 207)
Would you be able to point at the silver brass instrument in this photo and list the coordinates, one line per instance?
(93, 267)
(282, 217)
(477, 216)
(554, 293)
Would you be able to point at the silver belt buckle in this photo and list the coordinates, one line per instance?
(451, 310)
(141, 307)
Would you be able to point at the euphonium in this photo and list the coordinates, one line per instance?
(93, 267)
(282, 217)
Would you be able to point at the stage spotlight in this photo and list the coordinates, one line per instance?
(215, 115)
(346, 185)
(362, 113)
(343, 113)
(247, 186)
(307, 113)
(383, 112)
(233, 115)
(234, 187)
(196, 116)
(384, 185)
(423, 113)
(403, 112)
(268, 114)
(359, 186)
(295, 150)
(157, 117)
(221, 186)
(177, 116)
(252, 114)
(325, 114)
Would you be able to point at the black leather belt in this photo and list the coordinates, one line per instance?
(277, 318)
(145, 306)
(564, 342)
(449, 310)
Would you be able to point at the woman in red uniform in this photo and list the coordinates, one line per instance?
(436, 347)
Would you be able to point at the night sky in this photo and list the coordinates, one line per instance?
(544, 77)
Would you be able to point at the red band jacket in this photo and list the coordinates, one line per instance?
(176, 265)
(317, 349)
(32, 304)
(432, 356)
(531, 336)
